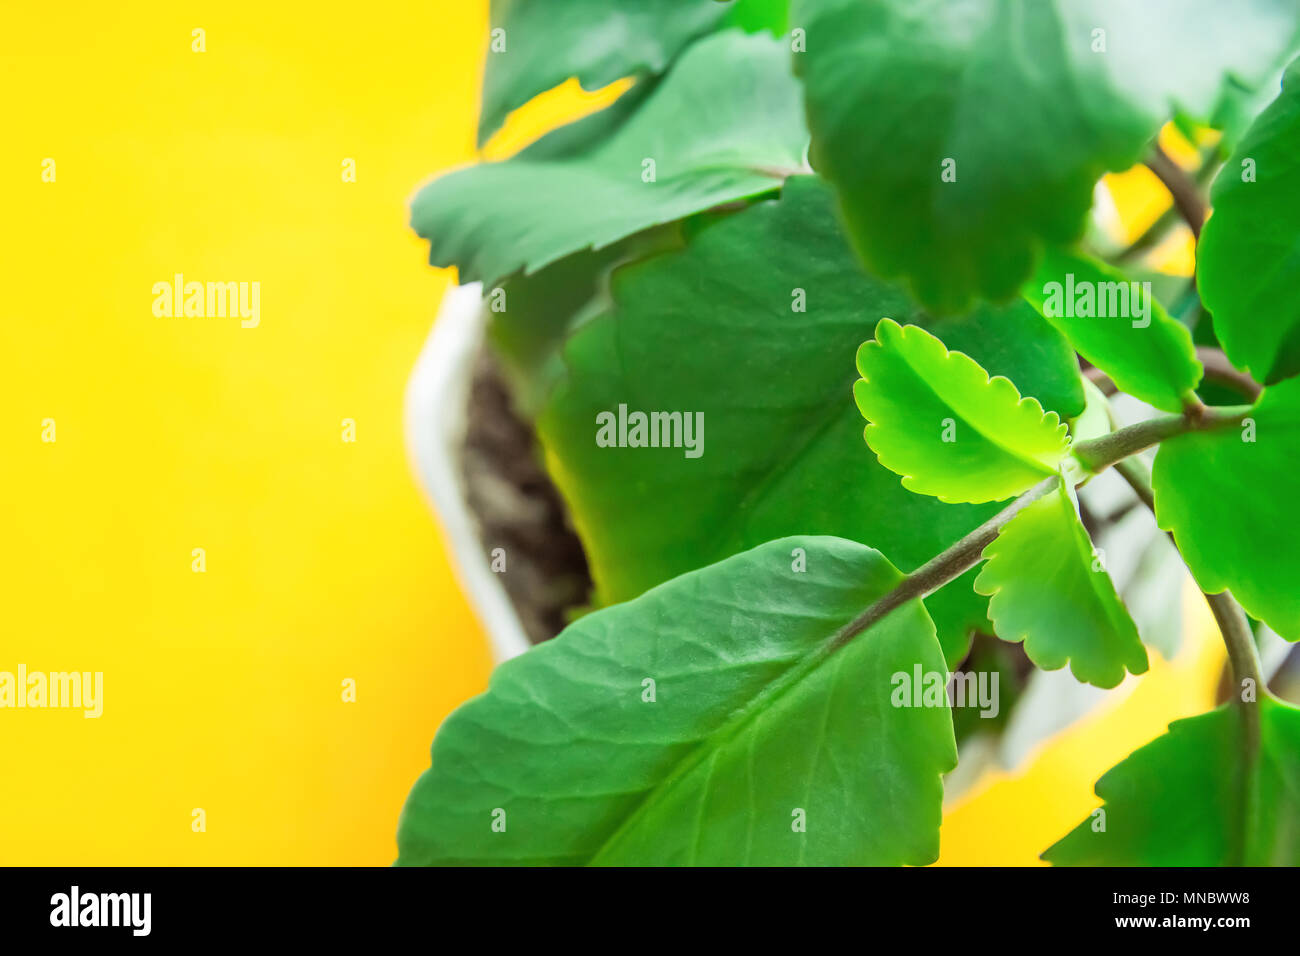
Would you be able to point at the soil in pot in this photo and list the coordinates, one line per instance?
(519, 510)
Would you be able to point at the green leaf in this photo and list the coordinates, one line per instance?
(1249, 253)
(710, 330)
(1017, 100)
(583, 135)
(725, 124)
(1188, 799)
(548, 41)
(1144, 351)
(1224, 494)
(940, 421)
(1047, 589)
(755, 713)
(533, 314)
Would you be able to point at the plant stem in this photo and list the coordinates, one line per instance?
(1243, 656)
(950, 563)
(1151, 237)
(1187, 195)
(1219, 369)
(1096, 455)
(1101, 380)
(1099, 454)
(1242, 653)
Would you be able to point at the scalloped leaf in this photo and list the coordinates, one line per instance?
(1224, 494)
(1144, 351)
(700, 724)
(1182, 799)
(940, 421)
(725, 124)
(1249, 253)
(1047, 589)
(964, 136)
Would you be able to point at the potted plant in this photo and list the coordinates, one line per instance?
(644, 412)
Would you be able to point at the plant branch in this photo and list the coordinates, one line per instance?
(1219, 369)
(950, 563)
(1098, 454)
(1151, 237)
(1237, 636)
(1103, 381)
(1243, 656)
(1187, 195)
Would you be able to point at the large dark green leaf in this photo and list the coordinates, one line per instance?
(1014, 97)
(711, 330)
(702, 724)
(1189, 799)
(532, 313)
(598, 41)
(1249, 256)
(1227, 495)
(725, 124)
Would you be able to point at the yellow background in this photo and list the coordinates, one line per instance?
(223, 689)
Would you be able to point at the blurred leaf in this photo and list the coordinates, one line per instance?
(1094, 421)
(582, 135)
(757, 719)
(1028, 104)
(1182, 799)
(1249, 254)
(725, 124)
(711, 330)
(598, 41)
(1143, 350)
(1045, 589)
(1223, 494)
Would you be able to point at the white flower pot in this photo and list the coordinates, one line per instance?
(435, 420)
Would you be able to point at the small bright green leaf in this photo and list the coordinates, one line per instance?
(712, 721)
(1181, 799)
(1225, 493)
(725, 124)
(1047, 588)
(964, 135)
(1249, 254)
(1117, 325)
(940, 421)
(713, 330)
(547, 41)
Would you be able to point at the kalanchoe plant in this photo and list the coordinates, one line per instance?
(765, 680)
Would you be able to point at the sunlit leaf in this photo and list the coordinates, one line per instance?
(940, 421)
